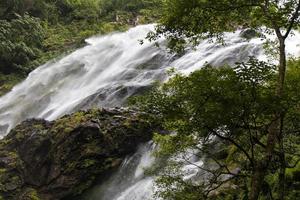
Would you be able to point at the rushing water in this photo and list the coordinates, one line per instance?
(105, 73)
(129, 182)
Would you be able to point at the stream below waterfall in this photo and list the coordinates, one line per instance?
(105, 73)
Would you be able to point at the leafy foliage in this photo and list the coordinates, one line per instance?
(51, 10)
(189, 21)
(223, 115)
(21, 40)
(186, 21)
(134, 6)
(35, 31)
(79, 9)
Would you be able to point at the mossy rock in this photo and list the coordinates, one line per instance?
(249, 34)
(61, 159)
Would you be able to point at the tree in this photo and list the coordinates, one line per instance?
(223, 115)
(189, 21)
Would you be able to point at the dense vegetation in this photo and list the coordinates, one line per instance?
(35, 31)
(223, 115)
(242, 121)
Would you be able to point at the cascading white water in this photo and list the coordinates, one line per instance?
(105, 73)
(129, 182)
(109, 70)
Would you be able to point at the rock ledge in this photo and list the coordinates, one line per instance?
(61, 159)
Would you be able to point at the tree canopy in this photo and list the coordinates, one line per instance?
(223, 115)
(196, 19)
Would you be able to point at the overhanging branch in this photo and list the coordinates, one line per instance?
(292, 21)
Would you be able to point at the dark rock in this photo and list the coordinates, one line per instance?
(249, 34)
(61, 159)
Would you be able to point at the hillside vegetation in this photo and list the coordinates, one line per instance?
(33, 32)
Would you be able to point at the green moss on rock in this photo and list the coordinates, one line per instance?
(61, 159)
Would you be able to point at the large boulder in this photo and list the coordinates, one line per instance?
(60, 159)
(250, 34)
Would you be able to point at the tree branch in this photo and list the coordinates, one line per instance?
(294, 165)
(211, 188)
(234, 143)
(225, 7)
(275, 26)
(292, 22)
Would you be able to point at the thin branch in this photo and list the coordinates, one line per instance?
(294, 165)
(204, 169)
(225, 7)
(234, 143)
(228, 171)
(219, 185)
(275, 26)
(292, 22)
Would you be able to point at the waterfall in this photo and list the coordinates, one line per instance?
(129, 182)
(105, 73)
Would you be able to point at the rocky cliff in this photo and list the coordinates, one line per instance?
(60, 159)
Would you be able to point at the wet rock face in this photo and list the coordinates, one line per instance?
(249, 34)
(60, 159)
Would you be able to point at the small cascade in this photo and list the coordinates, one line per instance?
(130, 182)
